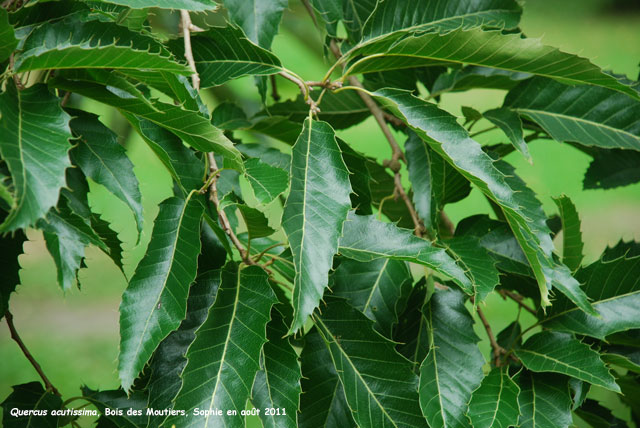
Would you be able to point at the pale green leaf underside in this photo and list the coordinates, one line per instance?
(29, 120)
(194, 5)
(314, 213)
(223, 360)
(77, 44)
(586, 115)
(561, 353)
(155, 302)
(483, 48)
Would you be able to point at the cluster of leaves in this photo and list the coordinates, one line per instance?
(324, 314)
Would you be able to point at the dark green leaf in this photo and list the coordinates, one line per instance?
(479, 266)
(588, 115)
(267, 181)
(419, 166)
(188, 125)
(495, 402)
(314, 213)
(579, 391)
(511, 124)
(510, 337)
(277, 384)
(268, 155)
(364, 239)
(258, 18)
(420, 15)
(8, 40)
(382, 187)
(411, 333)
(31, 396)
(614, 287)
(103, 160)
(169, 359)
(257, 223)
(625, 357)
(118, 399)
(29, 120)
(472, 77)
(612, 168)
(452, 369)
(10, 248)
(631, 394)
(322, 403)
(379, 385)
(477, 47)
(496, 180)
(359, 177)
(378, 289)
(229, 116)
(544, 401)
(223, 54)
(75, 44)
(223, 360)
(598, 416)
(561, 353)
(109, 237)
(572, 245)
(355, 15)
(195, 5)
(155, 302)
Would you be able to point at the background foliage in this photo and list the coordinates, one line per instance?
(557, 169)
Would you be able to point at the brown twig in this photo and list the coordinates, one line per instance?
(16, 337)
(518, 299)
(498, 350)
(310, 11)
(16, 78)
(303, 88)
(274, 88)
(65, 99)
(399, 191)
(226, 225)
(187, 27)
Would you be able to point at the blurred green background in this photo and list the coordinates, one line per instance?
(74, 336)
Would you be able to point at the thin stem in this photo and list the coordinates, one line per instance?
(310, 11)
(304, 88)
(497, 349)
(518, 299)
(188, 53)
(226, 225)
(263, 252)
(491, 128)
(399, 190)
(446, 222)
(274, 88)
(16, 337)
(16, 78)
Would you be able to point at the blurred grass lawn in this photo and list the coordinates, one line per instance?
(75, 336)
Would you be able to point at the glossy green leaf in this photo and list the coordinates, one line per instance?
(483, 48)
(31, 119)
(8, 41)
(105, 161)
(66, 235)
(314, 213)
(495, 402)
(355, 15)
(472, 77)
(194, 5)
(411, 333)
(612, 168)
(119, 400)
(189, 126)
(378, 289)
(364, 239)
(76, 44)
(588, 115)
(510, 337)
(169, 359)
(544, 401)
(277, 384)
(511, 124)
(322, 403)
(10, 248)
(452, 369)
(267, 181)
(223, 54)
(361, 198)
(259, 19)
(223, 360)
(614, 287)
(478, 264)
(379, 385)
(572, 245)
(599, 416)
(155, 301)
(31, 396)
(625, 357)
(419, 15)
(496, 180)
(561, 353)
(256, 222)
